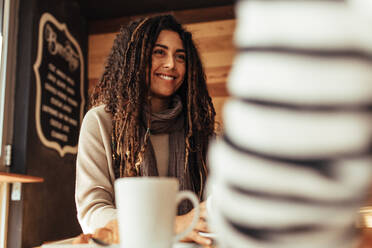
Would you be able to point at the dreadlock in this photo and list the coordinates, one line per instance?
(123, 90)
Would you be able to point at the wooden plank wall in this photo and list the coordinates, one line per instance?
(214, 40)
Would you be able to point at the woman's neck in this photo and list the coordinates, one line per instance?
(159, 104)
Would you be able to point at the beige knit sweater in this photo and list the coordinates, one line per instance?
(94, 193)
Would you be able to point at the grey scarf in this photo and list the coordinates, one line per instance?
(170, 121)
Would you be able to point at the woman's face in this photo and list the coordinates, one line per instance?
(168, 64)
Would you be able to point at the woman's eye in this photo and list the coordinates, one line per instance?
(159, 51)
(181, 57)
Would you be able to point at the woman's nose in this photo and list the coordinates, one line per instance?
(169, 62)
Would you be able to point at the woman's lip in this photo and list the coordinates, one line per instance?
(168, 77)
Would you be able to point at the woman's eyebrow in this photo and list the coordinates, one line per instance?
(165, 47)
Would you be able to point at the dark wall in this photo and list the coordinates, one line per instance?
(46, 210)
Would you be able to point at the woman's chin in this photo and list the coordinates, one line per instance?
(165, 95)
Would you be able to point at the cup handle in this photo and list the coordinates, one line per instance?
(195, 202)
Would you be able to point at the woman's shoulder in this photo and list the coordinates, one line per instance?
(98, 115)
(98, 112)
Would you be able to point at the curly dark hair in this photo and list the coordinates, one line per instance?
(124, 91)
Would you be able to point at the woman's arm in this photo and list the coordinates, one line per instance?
(94, 194)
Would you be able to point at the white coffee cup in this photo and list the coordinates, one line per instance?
(147, 208)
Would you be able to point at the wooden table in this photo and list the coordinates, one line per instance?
(6, 177)
(16, 179)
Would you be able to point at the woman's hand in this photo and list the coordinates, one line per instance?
(183, 221)
(109, 233)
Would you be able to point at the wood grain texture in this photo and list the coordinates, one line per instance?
(183, 16)
(217, 90)
(212, 29)
(92, 83)
(214, 43)
(217, 59)
(217, 74)
(218, 103)
(99, 47)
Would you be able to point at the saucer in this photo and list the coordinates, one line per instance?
(208, 235)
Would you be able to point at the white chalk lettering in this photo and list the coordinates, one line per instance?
(49, 110)
(55, 123)
(58, 135)
(72, 102)
(70, 90)
(51, 67)
(51, 77)
(56, 102)
(61, 74)
(62, 95)
(70, 81)
(72, 121)
(50, 88)
(61, 84)
(66, 128)
(67, 108)
(66, 52)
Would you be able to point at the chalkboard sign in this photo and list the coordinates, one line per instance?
(59, 72)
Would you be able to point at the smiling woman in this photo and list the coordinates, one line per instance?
(151, 115)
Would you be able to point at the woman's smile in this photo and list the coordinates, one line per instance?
(168, 65)
(166, 76)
